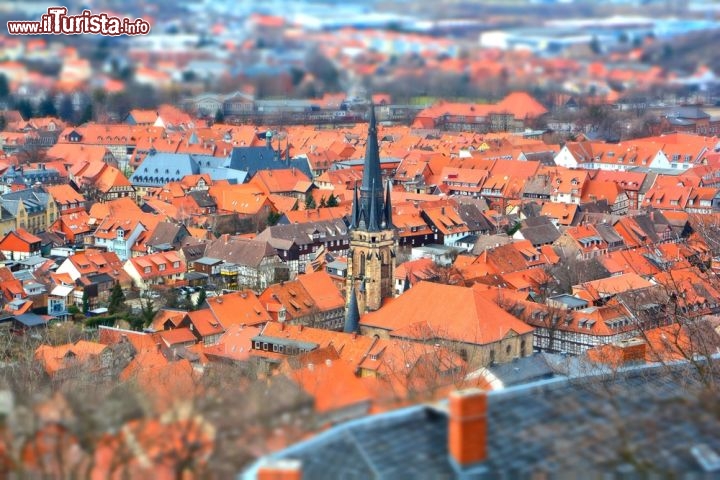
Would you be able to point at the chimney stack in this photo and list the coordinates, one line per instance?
(632, 351)
(467, 430)
(280, 470)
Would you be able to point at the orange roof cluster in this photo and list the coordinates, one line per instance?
(463, 315)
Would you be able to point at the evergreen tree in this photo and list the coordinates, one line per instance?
(25, 108)
(323, 204)
(67, 110)
(47, 108)
(86, 115)
(3, 122)
(147, 311)
(219, 116)
(202, 296)
(332, 201)
(310, 201)
(4, 86)
(117, 299)
(85, 302)
(273, 218)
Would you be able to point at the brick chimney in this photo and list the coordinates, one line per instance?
(280, 470)
(632, 350)
(467, 430)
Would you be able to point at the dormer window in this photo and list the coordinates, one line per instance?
(120, 233)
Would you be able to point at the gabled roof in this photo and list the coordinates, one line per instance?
(238, 308)
(463, 315)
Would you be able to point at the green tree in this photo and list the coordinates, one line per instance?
(47, 108)
(147, 311)
(310, 201)
(332, 201)
(67, 110)
(85, 302)
(117, 299)
(86, 115)
(202, 296)
(25, 108)
(323, 203)
(219, 116)
(4, 86)
(273, 218)
(3, 122)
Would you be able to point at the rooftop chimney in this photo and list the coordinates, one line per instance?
(467, 434)
(632, 350)
(280, 470)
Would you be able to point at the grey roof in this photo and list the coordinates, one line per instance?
(34, 199)
(631, 423)
(537, 221)
(167, 233)
(203, 198)
(157, 169)
(30, 320)
(694, 113)
(524, 370)
(486, 242)
(539, 185)
(241, 251)
(193, 251)
(33, 260)
(100, 278)
(160, 168)
(473, 218)
(541, 234)
(569, 300)
(254, 159)
(208, 261)
(285, 236)
(608, 233)
(408, 443)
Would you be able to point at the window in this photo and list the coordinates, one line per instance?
(507, 350)
(265, 346)
(161, 267)
(176, 264)
(147, 269)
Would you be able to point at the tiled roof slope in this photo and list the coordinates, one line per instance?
(557, 427)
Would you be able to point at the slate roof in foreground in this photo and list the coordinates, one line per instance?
(639, 421)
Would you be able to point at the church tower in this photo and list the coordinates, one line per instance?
(371, 260)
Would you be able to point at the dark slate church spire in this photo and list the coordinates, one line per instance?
(371, 210)
(388, 206)
(352, 314)
(373, 225)
(355, 209)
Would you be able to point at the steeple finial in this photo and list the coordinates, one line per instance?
(352, 314)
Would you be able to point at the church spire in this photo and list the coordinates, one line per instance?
(371, 168)
(388, 206)
(373, 221)
(355, 209)
(352, 314)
